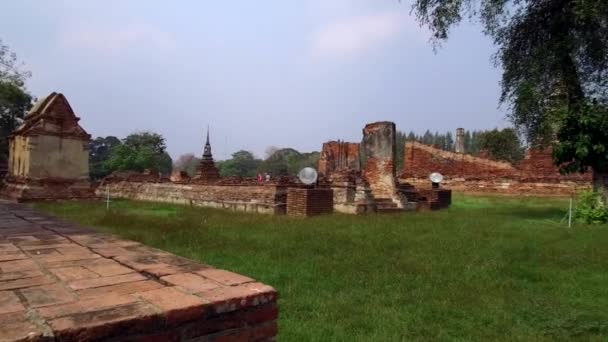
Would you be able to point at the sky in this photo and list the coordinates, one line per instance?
(258, 73)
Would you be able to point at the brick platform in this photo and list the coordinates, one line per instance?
(305, 202)
(63, 282)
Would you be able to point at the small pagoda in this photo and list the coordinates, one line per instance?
(206, 171)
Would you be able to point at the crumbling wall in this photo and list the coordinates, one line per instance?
(535, 175)
(379, 146)
(253, 198)
(420, 160)
(339, 156)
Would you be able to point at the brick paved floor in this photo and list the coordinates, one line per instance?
(64, 282)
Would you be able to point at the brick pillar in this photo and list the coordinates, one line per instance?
(380, 148)
(459, 140)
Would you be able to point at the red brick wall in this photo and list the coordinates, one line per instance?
(256, 198)
(535, 175)
(305, 202)
(339, 155)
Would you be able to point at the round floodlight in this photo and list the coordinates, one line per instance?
(436, 177)
(308, 175)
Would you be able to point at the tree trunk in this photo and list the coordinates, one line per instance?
(600, 183)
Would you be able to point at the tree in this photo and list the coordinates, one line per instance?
(502, 144)
(14, 104)
(554, 55)
(187, 162)
(140, 151)
(15, 101)
(243, 164)
(99, 153)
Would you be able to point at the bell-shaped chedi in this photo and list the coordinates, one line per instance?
(49, 154)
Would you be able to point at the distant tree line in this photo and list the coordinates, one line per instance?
(137, 152)
(15, 100)
(504, 144)
(147, 150)
(278, 162)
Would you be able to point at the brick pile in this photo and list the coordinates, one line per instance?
(64, 282)
(305, 202)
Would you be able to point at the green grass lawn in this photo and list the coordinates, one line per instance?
(489, 268)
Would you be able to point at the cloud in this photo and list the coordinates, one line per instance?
(114, 39)
(355, 35)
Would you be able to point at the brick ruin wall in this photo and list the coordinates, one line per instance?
(535, 175)
(305, 202)
(379, 148)
(338, 156)
(267, 198)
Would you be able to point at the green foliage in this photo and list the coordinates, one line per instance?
(288, 161)
(99, 152)
(486, 266)
(15, 101)
(140, 151)
(554, 55)
(583, 139)
(502, 144)
(188, 162)
(591, 208)
(243, 164)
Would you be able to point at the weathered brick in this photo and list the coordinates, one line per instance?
(9, 302)
(39, 296)
(226, 299)
(14, 255)
(119, 289)
(106, 268)
(87, 305)
(190, 281)
(105, 281)
(178, 307)
(26, 282)
(73, 273)
(17, 327)
(168, 270)
(106, 323)
(18, 266)
(20, 275)
(224, 277)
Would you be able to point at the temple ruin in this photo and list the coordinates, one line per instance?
(534, 175)
(49, 154)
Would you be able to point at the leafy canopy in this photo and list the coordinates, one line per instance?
(140, 151)
(15, 101)
(554, 55)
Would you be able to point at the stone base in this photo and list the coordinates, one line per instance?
(64, 282)
(306, 202)
(23, 190)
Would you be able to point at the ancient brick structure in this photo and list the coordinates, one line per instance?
(459, 145)
(339, 156)
(49, 156)
(206, 171)
(248, 196)
(305, 202)
(379, 147)
(420, 160)
(535, 175)
(63, 282)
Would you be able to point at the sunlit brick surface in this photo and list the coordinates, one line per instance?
(63, 282)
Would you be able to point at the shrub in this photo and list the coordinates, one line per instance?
(591, 208)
